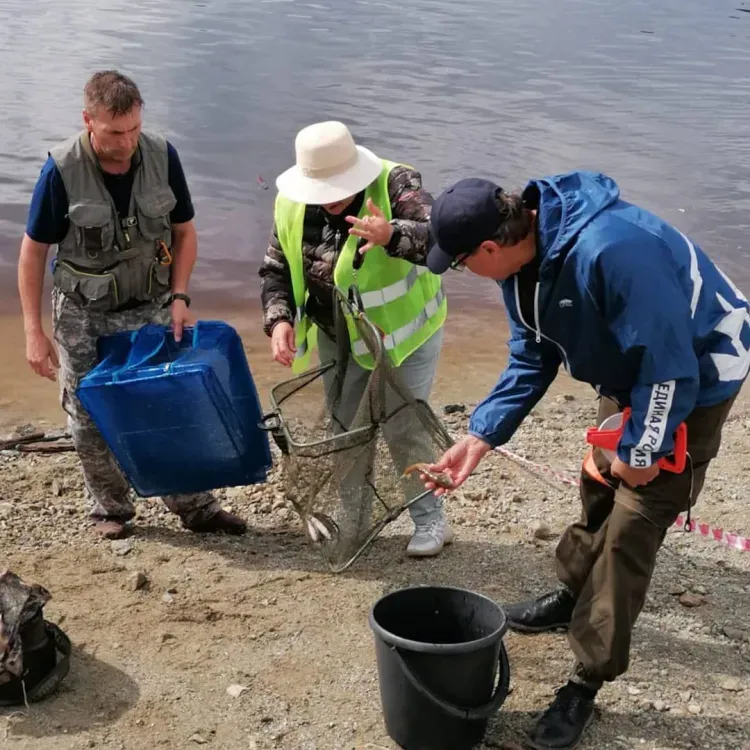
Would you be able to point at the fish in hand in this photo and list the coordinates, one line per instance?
(441, 480)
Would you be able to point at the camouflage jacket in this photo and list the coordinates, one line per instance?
(323, 237)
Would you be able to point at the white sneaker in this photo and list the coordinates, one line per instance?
(430, 538)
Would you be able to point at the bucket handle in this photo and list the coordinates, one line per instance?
(472, 714)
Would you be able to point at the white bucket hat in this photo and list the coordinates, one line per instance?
(330, 166)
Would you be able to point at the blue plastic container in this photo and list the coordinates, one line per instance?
(179, 417)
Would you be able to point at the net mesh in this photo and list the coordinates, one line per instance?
(347, 436)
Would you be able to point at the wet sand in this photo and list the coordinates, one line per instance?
(474, 354)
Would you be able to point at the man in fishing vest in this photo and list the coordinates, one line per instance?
(626, 302)
(115, 201)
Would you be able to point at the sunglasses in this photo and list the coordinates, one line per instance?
(457, 264)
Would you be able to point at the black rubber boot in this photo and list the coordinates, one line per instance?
(562, 725)
(550, 611)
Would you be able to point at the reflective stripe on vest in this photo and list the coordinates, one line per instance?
(390, 293)
(392, 340)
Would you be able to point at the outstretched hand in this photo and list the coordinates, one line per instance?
(374, 227)
(458, 462)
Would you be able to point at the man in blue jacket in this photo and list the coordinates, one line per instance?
(626, 302)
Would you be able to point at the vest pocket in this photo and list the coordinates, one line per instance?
(153, 210)
(160, 279)
(94, 228)
(141, 280)
(92, 291)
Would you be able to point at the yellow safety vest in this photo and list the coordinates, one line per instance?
(406, 302)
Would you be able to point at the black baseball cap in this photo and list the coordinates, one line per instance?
(463, 216)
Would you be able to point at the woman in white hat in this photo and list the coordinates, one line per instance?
(344, 216)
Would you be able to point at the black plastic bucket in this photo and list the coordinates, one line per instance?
(442, 665)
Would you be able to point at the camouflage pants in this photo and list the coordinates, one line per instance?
(76, 331)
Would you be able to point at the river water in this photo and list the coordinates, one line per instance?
(655, 94)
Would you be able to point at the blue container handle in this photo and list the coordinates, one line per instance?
(149, 340)
(477, 713)
(146, 343)
(199, 332)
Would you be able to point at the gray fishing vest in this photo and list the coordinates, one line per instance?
(106, 262)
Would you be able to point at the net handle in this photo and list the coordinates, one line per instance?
(353, 305)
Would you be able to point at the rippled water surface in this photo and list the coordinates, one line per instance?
(656, 94)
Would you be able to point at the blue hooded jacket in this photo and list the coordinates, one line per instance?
(627, 303)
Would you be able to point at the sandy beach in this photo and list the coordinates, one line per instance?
(152, 665)
(183, 642)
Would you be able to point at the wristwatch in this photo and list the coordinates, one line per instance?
(179, 295)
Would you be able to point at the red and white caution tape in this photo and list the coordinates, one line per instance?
(728, 538)
(562, 478)
(735, 541)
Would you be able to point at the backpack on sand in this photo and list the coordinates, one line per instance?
(34, 653)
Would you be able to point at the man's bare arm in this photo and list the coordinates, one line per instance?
(31, 264)
(40, 351)
(184, 254)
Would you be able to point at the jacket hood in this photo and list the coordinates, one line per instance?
(565, 204)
